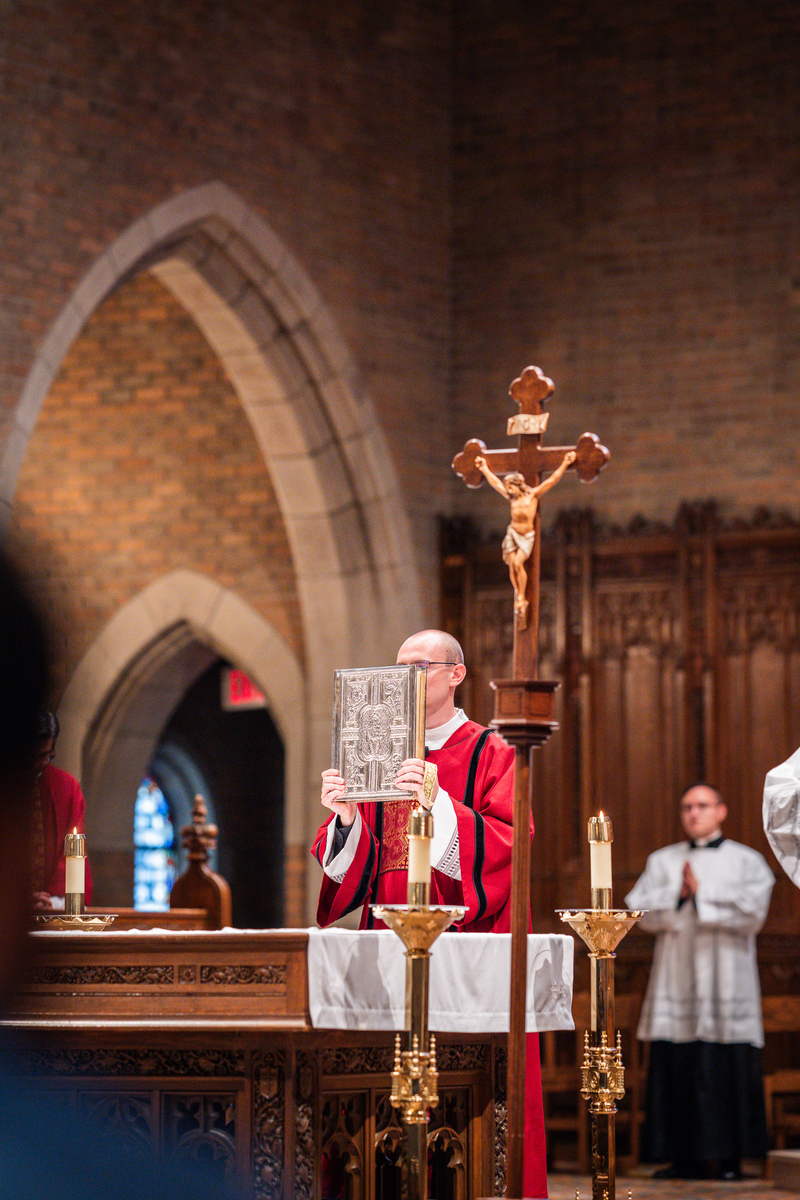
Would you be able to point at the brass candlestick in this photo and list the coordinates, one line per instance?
(415, 1077)
(74, 915)
(602, 928)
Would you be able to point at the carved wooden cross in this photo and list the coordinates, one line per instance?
(524, 705)
(531, 391)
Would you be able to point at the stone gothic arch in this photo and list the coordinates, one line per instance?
(356, 568)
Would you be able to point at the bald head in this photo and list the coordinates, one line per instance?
(444, 674)
(439, 645)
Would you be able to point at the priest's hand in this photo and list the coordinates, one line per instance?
(689, 883)
(333, 788)
(41, 902)
(411, 778)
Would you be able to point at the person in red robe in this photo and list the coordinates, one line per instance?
(363, 848)
(59, 809)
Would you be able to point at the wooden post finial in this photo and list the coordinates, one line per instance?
(200, 887)
(199, 838)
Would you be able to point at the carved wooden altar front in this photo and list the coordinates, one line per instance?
(200, 1045)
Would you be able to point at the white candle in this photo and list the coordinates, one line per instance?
(75, 858)
(420, 832)
(601, 835)
(419, 860)
(76, 874)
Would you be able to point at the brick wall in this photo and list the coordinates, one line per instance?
(331, 122)
(627, 194)
(143, 462)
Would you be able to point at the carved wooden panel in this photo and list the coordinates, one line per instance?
(363, 1139)
(306, 1089)
(196, 973)
(193, 1124)
(678, 652)
(269, 1124)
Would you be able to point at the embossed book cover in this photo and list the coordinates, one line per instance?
(378, 721)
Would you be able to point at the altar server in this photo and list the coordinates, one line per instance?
(706, 899)
(363, 848)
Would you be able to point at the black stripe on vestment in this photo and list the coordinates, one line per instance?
(363, 887)
(480, 825)
(373, 898)
(469, 790)
(477, 867)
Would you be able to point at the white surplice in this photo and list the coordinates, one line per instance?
(782, 814)
(704, 981)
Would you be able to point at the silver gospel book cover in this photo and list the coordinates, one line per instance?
(378, 721)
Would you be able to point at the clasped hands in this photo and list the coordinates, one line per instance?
(410, 778)
(688, 883)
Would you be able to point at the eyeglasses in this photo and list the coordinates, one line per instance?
(45, 756)
(432, 662)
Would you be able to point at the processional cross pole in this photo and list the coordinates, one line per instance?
(524, 705)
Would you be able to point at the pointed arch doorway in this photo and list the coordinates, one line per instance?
(157, 705)
(235, 758)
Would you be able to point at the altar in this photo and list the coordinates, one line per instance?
(275, 1047)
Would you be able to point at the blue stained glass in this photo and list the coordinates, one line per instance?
(154, 842)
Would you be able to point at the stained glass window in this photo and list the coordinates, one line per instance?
(154, 849)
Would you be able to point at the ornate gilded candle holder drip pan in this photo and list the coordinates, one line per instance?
(601, 931)
(60, 921)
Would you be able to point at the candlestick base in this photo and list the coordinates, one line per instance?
(62, 921)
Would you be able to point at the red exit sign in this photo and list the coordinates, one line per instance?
(239, 691)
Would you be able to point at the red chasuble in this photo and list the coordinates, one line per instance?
(62, 810)
(379, 875)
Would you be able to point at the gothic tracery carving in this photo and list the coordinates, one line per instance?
(103, 1062)
(268, 1101)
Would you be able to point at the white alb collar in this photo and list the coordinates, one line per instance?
(701, 843)
(436, 738)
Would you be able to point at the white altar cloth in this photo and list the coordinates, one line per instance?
(356, 980)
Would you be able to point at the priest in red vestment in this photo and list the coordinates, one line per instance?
(363, 848)
(59, 809)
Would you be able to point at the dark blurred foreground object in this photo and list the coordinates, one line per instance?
(46, 1147)
(23, 688)
(47, 1150)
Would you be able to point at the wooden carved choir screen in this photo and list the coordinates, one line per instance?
(678, 651)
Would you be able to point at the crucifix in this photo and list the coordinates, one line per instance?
(523, 467)
(524, 704)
